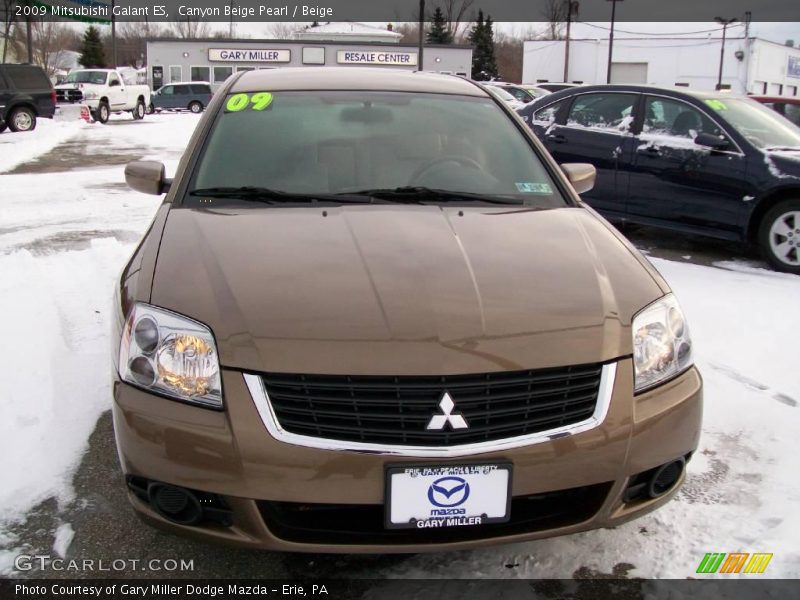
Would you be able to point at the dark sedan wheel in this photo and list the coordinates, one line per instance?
(195, 107)
(151, 109)
(779, 236)
(22, 119)
(3, 127)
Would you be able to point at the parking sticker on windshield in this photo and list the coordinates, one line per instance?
(534, 188)
(257, 101)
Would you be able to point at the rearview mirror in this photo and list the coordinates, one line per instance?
(580, 175)
(147, 176)
(709, 140)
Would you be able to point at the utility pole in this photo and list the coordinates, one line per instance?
(724, 23)
(230, 28)
(421, 34)
(611, 38)
(28, 36)
(113, 37)
(571, 5)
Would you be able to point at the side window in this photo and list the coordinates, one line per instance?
(663, 116)
(201, 89)
(792, 112)
(547, 115)
(518, 94)
(606, 111)
(113, 80)
(168, 90)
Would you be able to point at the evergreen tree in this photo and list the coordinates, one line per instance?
(92, 49)
(484, 63)
(438, 33)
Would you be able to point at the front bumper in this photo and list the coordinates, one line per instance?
(578, 480)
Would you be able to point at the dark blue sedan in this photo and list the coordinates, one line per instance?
(713, 164)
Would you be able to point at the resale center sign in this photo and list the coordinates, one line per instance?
(358, 57)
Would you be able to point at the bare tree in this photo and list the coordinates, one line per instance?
(50, 41)
(458, 16)
(191, 29)
(282, 30)
(7, 13)
(555, 13)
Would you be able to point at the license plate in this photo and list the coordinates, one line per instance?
(436, 496)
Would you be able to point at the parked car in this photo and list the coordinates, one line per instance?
(788, 106)
(556, 87)
(25, 95)
(105, 91)
(503, 95)
(394, 329)
(193, 96)
(713, 164)
(523, 93)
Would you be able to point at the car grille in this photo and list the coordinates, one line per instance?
(69, 96)
(397, 410)
(363, 523)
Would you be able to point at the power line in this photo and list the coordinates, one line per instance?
(715, 30)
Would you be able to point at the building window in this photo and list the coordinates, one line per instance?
(222, 73)
(313, 56)
(175, 74)
(201, 73)
(244, 69)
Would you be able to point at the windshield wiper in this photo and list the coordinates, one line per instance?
(270, 196)
(783, 148)
(418, 194)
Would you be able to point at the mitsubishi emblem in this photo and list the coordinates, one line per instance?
(456, 421)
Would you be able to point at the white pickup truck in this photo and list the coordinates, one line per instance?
(104, 91)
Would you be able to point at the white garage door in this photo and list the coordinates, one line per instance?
(628, 72)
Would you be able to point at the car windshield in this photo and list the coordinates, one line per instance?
(98, 77)
(323, 143)
(762, 126)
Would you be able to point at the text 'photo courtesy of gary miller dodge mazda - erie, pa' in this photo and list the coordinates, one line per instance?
(399, 329)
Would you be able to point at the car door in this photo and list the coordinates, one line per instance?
(182, 97)
(595, 129)
(166, 97)
(5, 97)
(117, 99)
(680, 184)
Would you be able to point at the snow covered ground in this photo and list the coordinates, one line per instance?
(65, 232)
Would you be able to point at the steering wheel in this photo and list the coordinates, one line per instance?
(464, 161)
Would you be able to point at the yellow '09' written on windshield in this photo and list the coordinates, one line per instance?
(257, 101)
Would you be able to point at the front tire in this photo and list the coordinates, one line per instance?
(195, 107)
(139, 111)
(103, 112)
(3, 127)
(22, 119)
(779, 236)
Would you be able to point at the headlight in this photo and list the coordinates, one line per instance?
(170, 354)
(90, 95)
(661, 344)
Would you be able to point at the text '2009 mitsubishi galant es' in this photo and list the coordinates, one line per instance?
(373, 315)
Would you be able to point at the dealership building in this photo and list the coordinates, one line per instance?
(751, 65)
(352, 45)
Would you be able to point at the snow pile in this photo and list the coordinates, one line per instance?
(64, 238)
(17, 148)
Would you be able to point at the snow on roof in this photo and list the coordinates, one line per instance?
(347, 29)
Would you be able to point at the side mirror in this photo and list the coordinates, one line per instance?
(580, 175)
(147, 176)
(709, 140)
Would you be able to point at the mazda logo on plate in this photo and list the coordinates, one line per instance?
(447, 492)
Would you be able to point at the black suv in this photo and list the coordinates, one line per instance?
(26, 93)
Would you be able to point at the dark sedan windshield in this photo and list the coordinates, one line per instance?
(763, 127)
(349, 142)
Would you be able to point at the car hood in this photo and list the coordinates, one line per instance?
(403, 289)
(783, 163)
